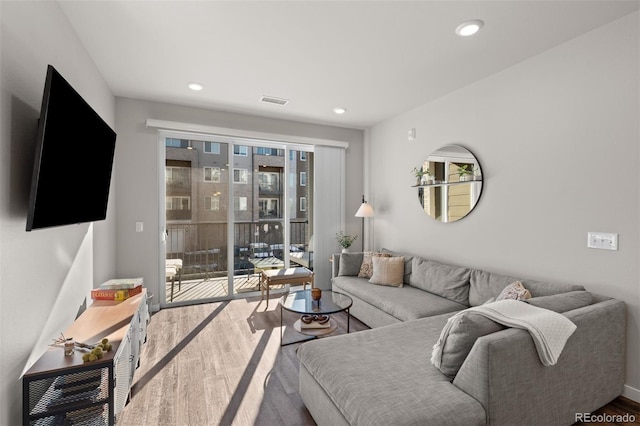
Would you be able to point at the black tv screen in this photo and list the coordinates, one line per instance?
(73, 160)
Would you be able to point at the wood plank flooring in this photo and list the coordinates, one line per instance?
(221, 364)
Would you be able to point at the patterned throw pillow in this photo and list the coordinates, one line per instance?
(515, 291)
(366, 269)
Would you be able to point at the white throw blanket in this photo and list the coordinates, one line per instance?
(549, 330)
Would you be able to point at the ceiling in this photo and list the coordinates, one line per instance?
(377, 59)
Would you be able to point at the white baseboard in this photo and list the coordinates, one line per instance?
(631, 393)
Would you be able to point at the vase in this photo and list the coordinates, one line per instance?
(346, 250)
(316, 293)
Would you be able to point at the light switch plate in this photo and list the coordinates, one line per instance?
(139, 226)
(602, 240)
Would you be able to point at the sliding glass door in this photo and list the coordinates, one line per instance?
(234, 208)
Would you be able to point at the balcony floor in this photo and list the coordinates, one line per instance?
(209, 288)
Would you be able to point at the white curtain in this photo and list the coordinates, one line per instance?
(329, 209)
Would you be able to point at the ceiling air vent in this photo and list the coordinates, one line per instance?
(272, 100)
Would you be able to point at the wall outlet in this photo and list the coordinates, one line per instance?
(602, 240)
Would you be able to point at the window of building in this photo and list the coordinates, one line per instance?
(177, 177)
(303, 156)
(269, 207)
(240, 176)
(212, 174)
(261, 150)
(212, 147)
(269, 181)
(178, 203)
(212, 203)
(240, 203)
(176, 143)
(241, 150)
(303, 204)
(303, 178)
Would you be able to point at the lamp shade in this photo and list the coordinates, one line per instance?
(365, 210)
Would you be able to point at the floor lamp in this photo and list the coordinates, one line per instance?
(365, 210)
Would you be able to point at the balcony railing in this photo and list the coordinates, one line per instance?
(203, 246)
(270, 188)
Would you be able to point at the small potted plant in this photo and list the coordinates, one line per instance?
(423, 177)
(428, 178)
(477, 175)
(418, 173)
(464, 173)
(345, 240)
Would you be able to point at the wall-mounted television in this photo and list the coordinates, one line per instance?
(73, 159)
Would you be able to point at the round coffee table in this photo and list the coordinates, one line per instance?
(301, 303)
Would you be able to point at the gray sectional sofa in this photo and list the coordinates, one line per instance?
(384, 376)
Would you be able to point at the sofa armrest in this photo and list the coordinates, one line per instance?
(335, 264)
(504, 373)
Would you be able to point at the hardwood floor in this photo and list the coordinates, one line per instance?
(621, 411)
(221, 364)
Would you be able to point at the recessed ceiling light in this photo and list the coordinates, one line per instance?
(339, 110)
(196, 87)
(469, 28)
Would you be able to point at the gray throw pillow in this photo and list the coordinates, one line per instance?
(448, 281)
(350, 264)
(563, 302)
(462, 336)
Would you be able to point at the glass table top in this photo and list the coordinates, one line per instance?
(302, 303)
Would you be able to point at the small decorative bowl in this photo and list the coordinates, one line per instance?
(316, 293)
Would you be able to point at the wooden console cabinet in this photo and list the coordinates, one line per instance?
(64, 390)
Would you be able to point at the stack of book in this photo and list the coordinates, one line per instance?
(118, 289)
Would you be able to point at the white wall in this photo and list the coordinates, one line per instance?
(45, 275)
(137, 178)
(557, 137)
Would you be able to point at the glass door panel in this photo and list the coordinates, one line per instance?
(264, 192)
(258, 191)
(300, 203)
(196, 194)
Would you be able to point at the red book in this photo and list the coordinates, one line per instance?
(117, 295)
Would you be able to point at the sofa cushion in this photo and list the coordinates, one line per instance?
(485, 285)
(366, 269)
(350, 264)
(387, 271)
(563, 302)
(451, 282)
(462, 336)
(381, 376)
(406, 303)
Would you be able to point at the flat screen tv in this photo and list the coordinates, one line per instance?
(73, 159)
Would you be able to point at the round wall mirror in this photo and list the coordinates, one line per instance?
(449, 183)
